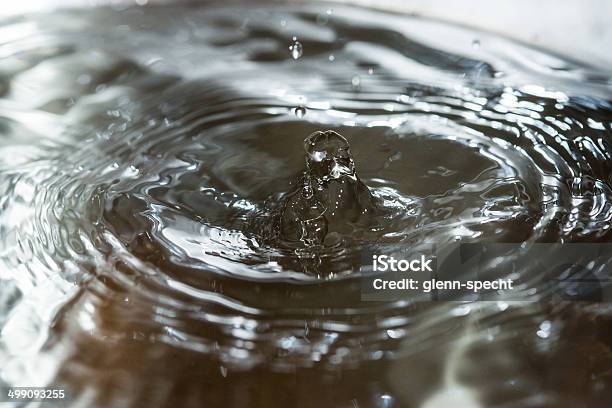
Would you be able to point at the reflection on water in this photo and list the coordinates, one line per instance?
(161, 245)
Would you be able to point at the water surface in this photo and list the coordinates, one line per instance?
(147, 157)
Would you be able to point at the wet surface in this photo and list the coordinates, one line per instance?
(168, 238)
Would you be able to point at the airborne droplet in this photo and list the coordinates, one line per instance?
(300, 111)
(296, 49)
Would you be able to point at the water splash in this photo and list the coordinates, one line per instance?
(147, 186)
(330, 198)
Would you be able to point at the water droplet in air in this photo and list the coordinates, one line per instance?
(331, 58)
(370, 71)
(356, 82)
(300, 111)
(296, 49)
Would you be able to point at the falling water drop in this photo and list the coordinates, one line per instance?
(296, 49)
(300, 111)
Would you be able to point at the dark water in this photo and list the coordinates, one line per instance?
(161, 245)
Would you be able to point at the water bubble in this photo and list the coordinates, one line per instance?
(283, 23)
(331, 58)
(476, 44)
(299, 111)
(356, 82)
(370, 71)
(296, 49)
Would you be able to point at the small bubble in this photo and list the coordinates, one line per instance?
(283, 23)
(329, 12)
(331, 58)
(356, 82)
(300, 111)
(476, 44)
(370, 71)
(296, 49)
